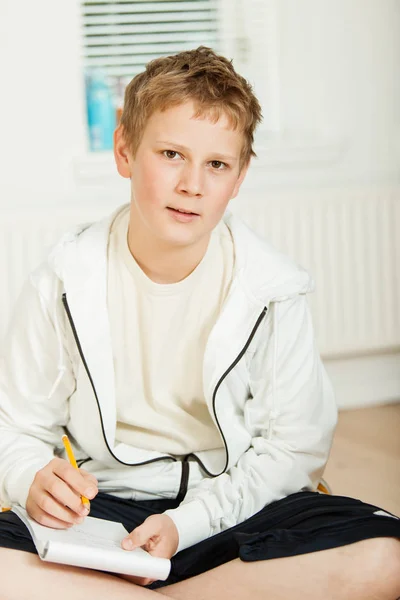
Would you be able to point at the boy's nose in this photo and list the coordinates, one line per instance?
(191, 181)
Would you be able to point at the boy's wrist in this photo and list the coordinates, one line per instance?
(192, 522)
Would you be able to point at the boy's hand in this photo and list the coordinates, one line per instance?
(158, 535)
(54, 498)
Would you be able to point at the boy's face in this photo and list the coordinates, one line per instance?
(182, 163)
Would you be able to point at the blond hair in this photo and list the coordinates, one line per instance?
(201, 76)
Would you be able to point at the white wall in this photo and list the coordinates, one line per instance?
(340, 65)
(42, 110)
(41, 116)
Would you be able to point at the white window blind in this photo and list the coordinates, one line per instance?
(120, 37)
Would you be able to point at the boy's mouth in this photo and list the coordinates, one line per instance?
(182, 211)
(182, 215)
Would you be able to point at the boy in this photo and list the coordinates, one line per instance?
(176, 349)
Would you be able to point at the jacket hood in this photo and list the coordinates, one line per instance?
(265, 273)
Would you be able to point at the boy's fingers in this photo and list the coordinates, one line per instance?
(54, 498)
(64, 496)
(75, 479)
(139, 536)
(47, 511)
(88, 476)
(134, 540)
(48, 520)
(161, 548)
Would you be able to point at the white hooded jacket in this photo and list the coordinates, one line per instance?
(264, 384)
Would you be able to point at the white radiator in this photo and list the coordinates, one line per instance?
(349, 241)
(346, 238)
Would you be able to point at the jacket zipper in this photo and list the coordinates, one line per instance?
(184, 480)
(72, 324)
(229, 369)
(185, 463)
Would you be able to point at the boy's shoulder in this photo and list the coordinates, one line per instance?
(77, 254)
(83, 246)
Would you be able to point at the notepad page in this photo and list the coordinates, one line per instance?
(92, 532)
(94, 544)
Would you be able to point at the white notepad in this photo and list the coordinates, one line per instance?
(94, 544)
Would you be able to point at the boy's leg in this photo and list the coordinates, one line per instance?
(24, 575)
(365, 570)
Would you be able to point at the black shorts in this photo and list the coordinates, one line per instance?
(298, 524)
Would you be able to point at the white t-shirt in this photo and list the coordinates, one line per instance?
(159, 333)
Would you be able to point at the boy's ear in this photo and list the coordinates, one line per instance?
(121, 153)
(240, 179)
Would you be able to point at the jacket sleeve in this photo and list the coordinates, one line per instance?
(35, 383)
(291, 433)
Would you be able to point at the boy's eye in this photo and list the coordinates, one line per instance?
(218, 165)
(170, 154)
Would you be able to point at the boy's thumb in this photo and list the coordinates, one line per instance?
(138, 537)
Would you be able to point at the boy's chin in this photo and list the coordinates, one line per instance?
(183, 236)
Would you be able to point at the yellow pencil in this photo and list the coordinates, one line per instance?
(71, 458)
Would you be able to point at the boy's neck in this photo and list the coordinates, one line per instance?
(162, 263)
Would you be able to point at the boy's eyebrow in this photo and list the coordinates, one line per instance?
(217, 155)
